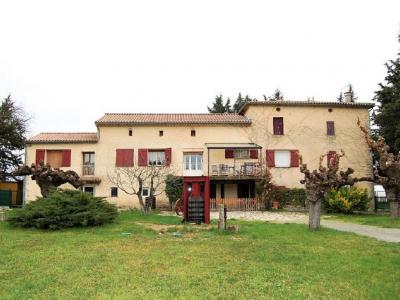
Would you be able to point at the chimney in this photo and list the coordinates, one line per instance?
(348, 96)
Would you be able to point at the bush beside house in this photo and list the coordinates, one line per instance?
(346, 200)
(65, 208)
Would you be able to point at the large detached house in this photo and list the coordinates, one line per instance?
(217, 154)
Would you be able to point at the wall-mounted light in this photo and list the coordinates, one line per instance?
(189, 188)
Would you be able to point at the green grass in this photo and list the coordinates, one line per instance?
(262, 260)
(374, 220)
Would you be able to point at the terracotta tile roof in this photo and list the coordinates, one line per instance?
(144, 119)
(63, 137)
(307, 103)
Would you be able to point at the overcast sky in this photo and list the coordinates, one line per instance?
(68, 62)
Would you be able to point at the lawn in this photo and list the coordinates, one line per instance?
(374, 220)
(156, 257)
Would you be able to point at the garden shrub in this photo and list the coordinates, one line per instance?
(173, 188)
(346, 200)
(295, 197)
(65, 208)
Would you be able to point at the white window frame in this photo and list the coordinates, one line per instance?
(282, 158)
(156, 158)
(147, 193)
(192, 164)
(91, 186)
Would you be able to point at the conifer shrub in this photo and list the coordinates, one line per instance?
(63, 209)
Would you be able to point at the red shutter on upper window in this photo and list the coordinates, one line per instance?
(142, 157)
(331, 158)
(294, 158)
(124, 158)
(253, 153)
(128, 158)
(39, 156)
(270, 156)
(119, 158)
(66, 158)
(228, 153)
(330, 128)
(278, 126)
(168, 156)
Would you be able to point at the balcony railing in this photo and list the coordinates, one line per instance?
(88, 169)
(236, 169)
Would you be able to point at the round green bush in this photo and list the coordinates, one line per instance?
(346, 200)
(65, 208)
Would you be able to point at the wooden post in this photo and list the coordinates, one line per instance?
(2, 214)
(221, 222)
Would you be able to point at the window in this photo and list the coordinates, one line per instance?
(88, 163)
(88, 189)
(114, 192)
(193, 132)
(330, 128)
(145, 192)
(282, 158)
(278, 126)
(193, 161)
(157, 158)
(161, 133)
(130, 132)
(241, 153)
(54, 158)
(246, 190)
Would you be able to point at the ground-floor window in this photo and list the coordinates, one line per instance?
(88, 189)
(246, 190)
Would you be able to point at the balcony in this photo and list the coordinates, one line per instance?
(88, 169)
(230, 161)
(235, 169)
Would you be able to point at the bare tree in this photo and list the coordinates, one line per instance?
(47, 177)
(387, 171)
(132, 180)
(319, 182)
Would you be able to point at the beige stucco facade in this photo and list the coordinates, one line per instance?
(304, 130)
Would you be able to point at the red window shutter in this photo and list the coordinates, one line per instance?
(253, 153)
(294, 158)
(39, 156)
(330, 128)
(168, 156)
(66, 158)
(119, 158)
(270, 155)
(142, 157)
(124, 158)
(330, 158)
(128, 157)
(228, 153)
(278, 126)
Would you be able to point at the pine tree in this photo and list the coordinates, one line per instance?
(240, 101)
(228, 107)
(218, 105)
(12, 137)
(387, 117)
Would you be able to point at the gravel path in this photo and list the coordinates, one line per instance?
(383, 234)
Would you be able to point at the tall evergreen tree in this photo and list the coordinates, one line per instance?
(13, 127)
(218, 105)
(240, 101)
(388, 96)
(228, 108)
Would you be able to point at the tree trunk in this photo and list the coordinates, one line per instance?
(44, 189)
(314, 215)
(391, 195)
